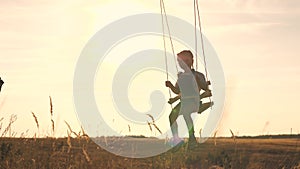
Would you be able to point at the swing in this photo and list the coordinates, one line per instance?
(205, 94)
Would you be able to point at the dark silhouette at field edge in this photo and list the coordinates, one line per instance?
(1, 83)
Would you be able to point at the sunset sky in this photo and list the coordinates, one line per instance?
(257, 43)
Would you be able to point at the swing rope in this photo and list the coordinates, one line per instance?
(197, 14)
(164, 13)
(165, 46)
(196, 41)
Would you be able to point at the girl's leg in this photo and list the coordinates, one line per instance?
(189, 123)
(172, 118)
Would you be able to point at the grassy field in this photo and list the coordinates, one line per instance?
(83, 153)
(263, 152)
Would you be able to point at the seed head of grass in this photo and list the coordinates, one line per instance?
(129, 129)
(71, 131)
(157, 128)
(153, 121)
(149, 124)
(232, 135)
(36, 120)
(153, 124)
(12, 119)
(52, 122)
(51, 107)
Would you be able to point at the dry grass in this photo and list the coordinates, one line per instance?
(84, 134)
(1, 123)
(71, 131)
(36, 121)
(149, 124)
(51, 113)
(232, 135)
(87, 157)
(129, 129)
(12, 119)
(215, 137)
(51, 106)
(72, 152)
(153, 124)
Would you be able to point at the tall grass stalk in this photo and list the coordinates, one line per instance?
(215, 137)
(36, 122)
(153, 124)
(87, 157)
(71, 131)
(12, 119)
(51, 113)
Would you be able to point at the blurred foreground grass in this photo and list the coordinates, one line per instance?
(83, 153)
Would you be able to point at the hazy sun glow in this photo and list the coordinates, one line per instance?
(256, 41)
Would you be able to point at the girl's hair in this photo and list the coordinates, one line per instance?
(186, 53)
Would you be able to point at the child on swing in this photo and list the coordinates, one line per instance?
(188, 87)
